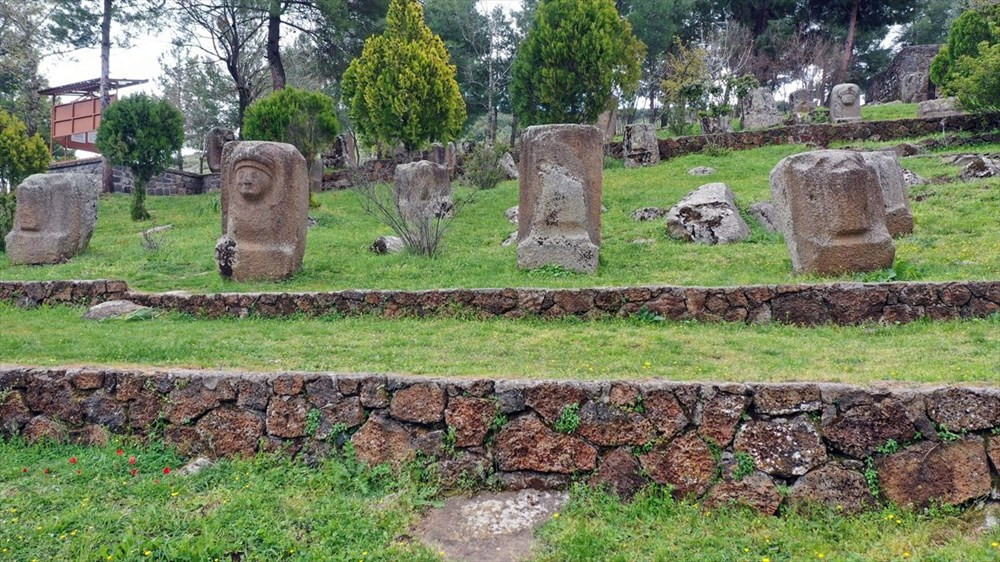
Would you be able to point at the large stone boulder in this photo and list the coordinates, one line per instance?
(845, 103)
(907, 78)
(423, 192)
(641, 145)
(761, 112)
(559, 208)
(54, 219)
(708, 215)
(892, 179)
(830, 208)
(942, 107)
(980, 167)
(928, 472)
(265, 211)
(215, 139)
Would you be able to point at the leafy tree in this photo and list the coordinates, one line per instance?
(684, 78)
(931, 23)
(24, 43)
(21, 155)
(465, 33)
(141, 133)
(304, 119)
(402, 89)
(977, 81)
(969, 31)
(576, 56)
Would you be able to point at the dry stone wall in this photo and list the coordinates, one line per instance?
(170, 182)
(831, 444)
(808, 305)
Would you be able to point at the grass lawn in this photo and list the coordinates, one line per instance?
(956, 238)
(269, 508)
(528, 348)
(885, 112)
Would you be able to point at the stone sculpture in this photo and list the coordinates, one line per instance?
(845, 103)
(265, 211)
(607, 122)
(423, 192)
(942, 107)
(892, 180)
(801, 101)
(761, 111)
(708, 215)
(641, 146)
(906, 79)
(54, 219)
(560, 197)
(215, 139)
(830, 208)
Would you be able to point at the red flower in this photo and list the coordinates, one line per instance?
(131, 460)
(72, 460)
(134, 471)
(46, 471)
(166, 470)
(24, 470)
(119, 452)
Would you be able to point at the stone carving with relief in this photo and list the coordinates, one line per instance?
(845, 103)
(54, 219)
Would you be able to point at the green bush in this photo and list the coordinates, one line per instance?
(20, 156)
(966, 37)
(577, 55)
(402, 89)
(302, 118)
(143, 134)
(482, 169)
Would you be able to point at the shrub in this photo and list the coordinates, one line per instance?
(143, 134)
(576, 56)
(402, 89)
(482, 168)
(305, 119)
(20, 156)
(966, 37)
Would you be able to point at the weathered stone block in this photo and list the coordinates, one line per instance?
(899, 217)
(686, 463)
(782, 448)
(420, 403)
(641, 145)
(215, 139)
(834, 487)
(526, 444)
(947, 473)
(845, 103)
(54, 219)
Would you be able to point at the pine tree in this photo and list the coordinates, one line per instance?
(577, 55)
(402, 89)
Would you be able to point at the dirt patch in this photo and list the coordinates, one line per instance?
(498, 527)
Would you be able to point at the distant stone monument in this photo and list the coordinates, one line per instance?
(607, 122)
(215, 139)
(845, 103)
(907, 78)
(892, 180)
(344, 154)
(641, 146)
(265, 211)
(54, 219)
(801, 101)
(560, 197)
(943, 107)
(829, 206)
(423, 192)
(761, 112)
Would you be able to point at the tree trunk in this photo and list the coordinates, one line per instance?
(845, 62)
(107, 179)
(274, 46)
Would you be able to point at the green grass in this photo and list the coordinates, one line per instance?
(271, 508)
(266, 508)
(886, 112)
(956, 238)
(527, 348)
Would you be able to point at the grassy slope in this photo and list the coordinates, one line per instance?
(268, 508)
(612, 349)
(886, 112)
(956, 238)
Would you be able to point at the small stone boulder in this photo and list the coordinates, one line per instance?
(708, 215)
(701, 171)
(979, 168)
(387, 245)
(526, 444)
(765, 214)
(508, 167)
(113, 309)
(686, 463)
(619, 471)
(832, 486)
(941, 107)
(512, 215)
(756, 491)
(649, 214)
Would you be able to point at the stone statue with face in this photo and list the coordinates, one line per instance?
(845, 103)
(265, 211)
(54, 219)
(830, 207)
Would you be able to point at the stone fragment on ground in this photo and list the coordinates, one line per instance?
(113, 309)
(195, 466)
(495, 527)
(708, 215)
(765, 214)
(941, 107)
(912, 179)
(512, 215)
(701, 171)
(510, 240)
(508, 166)
(649, 214)
(387, 245)
(979, 168)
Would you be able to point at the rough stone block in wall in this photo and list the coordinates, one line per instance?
(688, 435)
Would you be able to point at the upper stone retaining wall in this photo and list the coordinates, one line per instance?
(719, 441)
(170, 182)
(841, 303)
(825, 134)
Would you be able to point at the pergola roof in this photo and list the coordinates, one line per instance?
(90, 86)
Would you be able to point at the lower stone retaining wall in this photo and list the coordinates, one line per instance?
(828, 443)
(844, 303)
(825, 134)
(170, 182)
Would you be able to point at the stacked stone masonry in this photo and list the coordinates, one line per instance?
(722, 442)
(823, 135)
(808, 305)
(170, 182)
